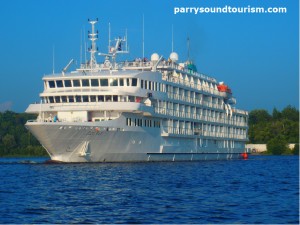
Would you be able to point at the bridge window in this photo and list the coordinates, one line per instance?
(104, 82)
(76, 83)
(113, 82)
(85, 83)
(121, 82)
(95, 82)
(51, 84)
(59, 83)
(142, 83)
(68, 83)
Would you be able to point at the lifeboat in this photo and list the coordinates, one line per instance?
(224, 88)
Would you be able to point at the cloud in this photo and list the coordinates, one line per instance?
(5, 106)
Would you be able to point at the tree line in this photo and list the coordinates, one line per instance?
(15, 139)
(276, 129)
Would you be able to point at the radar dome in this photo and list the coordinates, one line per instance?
(154, 57)
(174, 56)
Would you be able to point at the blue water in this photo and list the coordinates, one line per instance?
(262, 189)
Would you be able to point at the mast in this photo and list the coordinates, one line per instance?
(93, 36)
(172, 38)
(109, 37)
(188, 48)
(53, 59)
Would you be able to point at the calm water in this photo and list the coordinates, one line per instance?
(262, 189)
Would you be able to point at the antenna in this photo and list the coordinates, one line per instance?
(93, 36)
(53, 59)
(84, 45)
(80, 46)
(126, 38)
(109, 37)
(188, 47)
(172, 39)
(143, 39)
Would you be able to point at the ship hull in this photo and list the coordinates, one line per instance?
(83, 143)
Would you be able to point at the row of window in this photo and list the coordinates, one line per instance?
(103, 82)
(136, 122)
(107, 82)
(91, 98)
(152, 85)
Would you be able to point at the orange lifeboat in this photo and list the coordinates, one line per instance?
(224, 88)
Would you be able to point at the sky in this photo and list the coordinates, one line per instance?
(257, 55)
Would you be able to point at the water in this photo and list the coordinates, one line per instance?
(262, 189)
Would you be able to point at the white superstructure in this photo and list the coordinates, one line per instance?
(137, 111)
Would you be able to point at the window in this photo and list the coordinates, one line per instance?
(150, 85)
(95, 82)
(85, 83)
(121, 82)
(146, 84)
(59, 83)
(68, 83)
(142, 83)
(76, 83)
(134, 82)
(85, 98)
(57, 99)
(71, 98)
(128, 82)
(115, 98)
(104, 82)
(51, 84)
(78, 98)
(93, 98)
(108, 98)
(113, 82)
(51, 99)
(100, 98)
(131, 98)
(63, 98)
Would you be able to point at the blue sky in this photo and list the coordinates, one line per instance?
(257, 55)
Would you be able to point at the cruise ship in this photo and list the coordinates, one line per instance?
(136, 111)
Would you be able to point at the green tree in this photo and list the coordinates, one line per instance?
(296, 149)
(277, 146)
(259, 116)
(9, 141)
(290, 113)
(276, 115)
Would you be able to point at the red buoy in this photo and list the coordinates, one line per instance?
(244, 155)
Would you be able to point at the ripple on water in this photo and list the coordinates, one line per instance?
(262, 189)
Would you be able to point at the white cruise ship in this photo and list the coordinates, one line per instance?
(156, 110)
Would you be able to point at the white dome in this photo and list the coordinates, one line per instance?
(154, 57)
(174, 56)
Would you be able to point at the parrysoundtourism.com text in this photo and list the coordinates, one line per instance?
(230, 9)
